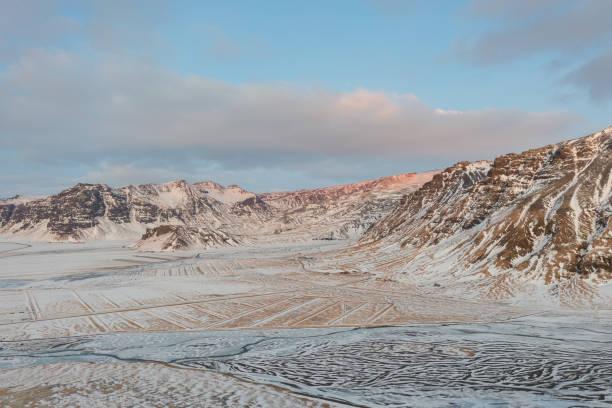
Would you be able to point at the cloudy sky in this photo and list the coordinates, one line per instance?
(275, 95)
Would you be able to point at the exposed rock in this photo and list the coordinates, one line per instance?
(180, 237)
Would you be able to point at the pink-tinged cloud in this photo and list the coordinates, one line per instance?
(59, 104)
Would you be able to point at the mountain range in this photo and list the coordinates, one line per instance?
(178, 215)
(490, 227)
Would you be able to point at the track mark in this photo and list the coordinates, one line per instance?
(350, 312)
(202, 309)
(318, 312)
(179, 316)
(30, 306)
(154, 257)
(149, 307)
(97, 324)
(34, 305)
(247, 304)
(284, 312)
(130, 321)
(82, 302)
(180, 298)
(247, 313)
(107, 300)
(380, 313)
(165, 319)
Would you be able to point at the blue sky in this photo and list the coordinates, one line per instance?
(286, 95)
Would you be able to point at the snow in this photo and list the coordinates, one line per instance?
(110, 231)
(19, 199)
(79, 312)
(113, 384)
(71, 289)
(550, 358)
(576, 211)
(605, 191)
(228, 195)
(337, 212)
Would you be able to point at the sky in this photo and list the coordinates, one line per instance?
(284, 95)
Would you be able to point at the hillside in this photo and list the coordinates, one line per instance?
(523, 222)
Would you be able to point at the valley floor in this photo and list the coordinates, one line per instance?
(60, 290)
(262, 323)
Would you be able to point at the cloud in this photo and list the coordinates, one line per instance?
(524, 28)
(62, 105)
(129, 27)
(26, 23)
(575, 36)
(104, 110)
(57, 107)
(595, 77)
(95, 26)
(513, 8)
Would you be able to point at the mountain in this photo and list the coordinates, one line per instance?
(97, 211)
(541, 217)
(340, 212)
(534, 221)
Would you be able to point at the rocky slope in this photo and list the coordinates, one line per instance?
(539, 217)
(97, 211)
(340, 212)
(181, 237)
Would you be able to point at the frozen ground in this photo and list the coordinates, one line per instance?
(118, 385)
(558, 360)
(59, 290)
(248, 326)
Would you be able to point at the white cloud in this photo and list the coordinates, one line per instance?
(60, 104)
(523, 28)
(595, 77)
(57, 107)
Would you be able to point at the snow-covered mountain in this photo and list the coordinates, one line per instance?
(97, 211)
(522, 222)
(338, 212)
(536, 219)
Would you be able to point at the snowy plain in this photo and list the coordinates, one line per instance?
(256, 326)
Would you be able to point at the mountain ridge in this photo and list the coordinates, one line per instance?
(536, 219)
(97, 211)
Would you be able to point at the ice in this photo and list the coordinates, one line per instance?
(552, 359)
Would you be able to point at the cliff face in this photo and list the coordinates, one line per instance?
(542, 215)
